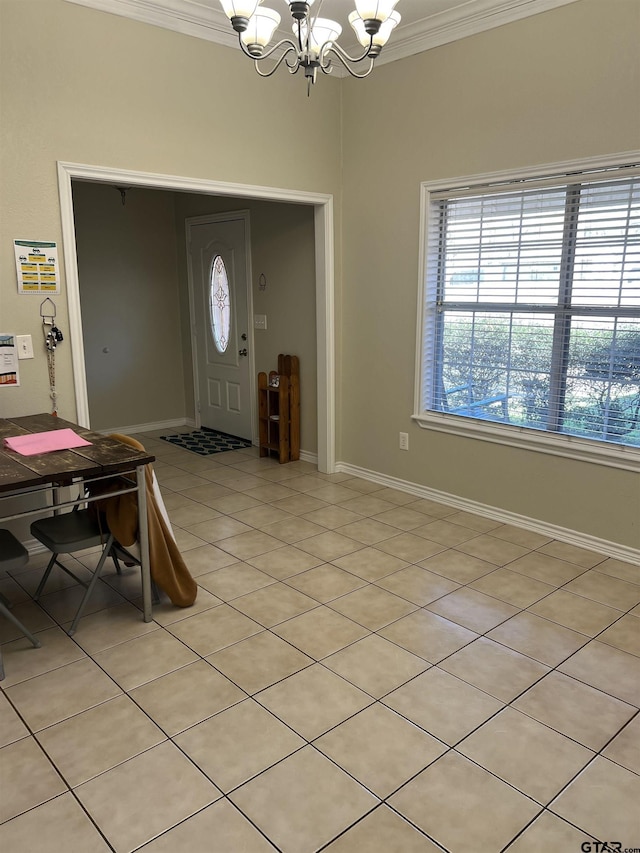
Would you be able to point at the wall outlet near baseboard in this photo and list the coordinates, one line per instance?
(404, 441)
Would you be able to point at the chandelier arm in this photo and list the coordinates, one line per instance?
(292, 68)
(342, 54)
(345, 60)
(290, 46)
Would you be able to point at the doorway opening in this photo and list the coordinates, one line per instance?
(324, 273)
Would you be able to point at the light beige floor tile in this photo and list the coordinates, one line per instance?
(27, 778)
(313, 701)
(213, 744)
(512, 587)
(623, 634)
(370, 564)
(300, 505)
(325, 582)
(372, 607)
(380, 749)
(419, 586)
(22, 661)
(271, 492)
(608, 669)
(330, 517)
(107, 628)
(220, 821)
(329, 546)
(497, 670)
(382, 830)
(204, 493)
(234, 580)
(619, 569)
(472, 609)
(263, 516)
(363, 487)
(218, 528)
(443, 705)
(475, 522)
(546, 568)
(11, 726)
(603, 800)
(134, 802)
(303, 802)
(273, 604)
(192, 513)
(206, 558)
(492, 550)
(285, 562)
(186, 697)
(167, 613)
(606, 590)
(433, 508)
(525, 753)
(320, 632)
(368, 531)
(409, 547)
(214, 629)
(96, 740)
(32, 616)
(395, 496)
(259, 661)
(333, 493)
(233, 502)
(458, 567)
(538, 638)
(462, 795)
(581, 712)
(367, 505)
(56, 695)
(376, 665)
(625, 748)
(575, 612)
(428, 635)
(549, 832)
(573, 554)
(186, 541)
(293, 529)
(57, 580)
(402, 517)
(519, 536)
(58, 826)
(145, 658)
(248, 545)
(442, 531)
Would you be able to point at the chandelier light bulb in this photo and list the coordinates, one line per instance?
(375, 10)
(323, 31)
(260, 30)
(381, 37)
(239, 12)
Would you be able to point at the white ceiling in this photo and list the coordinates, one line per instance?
(425, 23)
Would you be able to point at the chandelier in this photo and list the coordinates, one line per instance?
(314, 45)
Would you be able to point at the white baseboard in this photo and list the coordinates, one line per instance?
(563, 534)
(133, 429)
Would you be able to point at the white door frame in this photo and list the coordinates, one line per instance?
(212, 219)
(325, 283)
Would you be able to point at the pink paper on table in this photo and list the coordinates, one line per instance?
(44, 442)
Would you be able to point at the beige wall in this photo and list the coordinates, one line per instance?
(556, 86)
(102, 90)
(127, 269)
(283, 248)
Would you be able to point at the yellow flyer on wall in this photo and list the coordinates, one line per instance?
(37, 266)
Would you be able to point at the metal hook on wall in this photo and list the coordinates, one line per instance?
(48, 316)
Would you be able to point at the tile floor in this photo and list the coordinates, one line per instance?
(362, 671)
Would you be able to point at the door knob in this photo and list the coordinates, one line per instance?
(242, 351)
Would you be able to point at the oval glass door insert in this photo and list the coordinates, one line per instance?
(219, 304)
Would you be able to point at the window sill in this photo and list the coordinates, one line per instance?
(566, 446)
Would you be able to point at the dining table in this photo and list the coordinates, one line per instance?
(47, 473)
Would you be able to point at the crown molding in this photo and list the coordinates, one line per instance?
(201, 20)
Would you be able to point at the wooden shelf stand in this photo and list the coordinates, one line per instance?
(279, 410)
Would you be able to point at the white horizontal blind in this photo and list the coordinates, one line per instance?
(533, 305)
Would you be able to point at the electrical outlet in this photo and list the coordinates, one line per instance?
(404, 441)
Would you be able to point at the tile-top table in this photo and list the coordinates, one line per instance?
(103, 457)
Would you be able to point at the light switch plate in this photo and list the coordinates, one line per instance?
(25, 346)
(259, 321)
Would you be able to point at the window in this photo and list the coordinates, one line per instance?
(532, 308)
(219, 304)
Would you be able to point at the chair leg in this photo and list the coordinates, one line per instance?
(91, 585)
(6, 612)
(45, 576)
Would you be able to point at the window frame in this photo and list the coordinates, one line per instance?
(526, 438)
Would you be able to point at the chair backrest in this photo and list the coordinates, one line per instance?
(13, 554)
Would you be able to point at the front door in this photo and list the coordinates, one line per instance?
(219, 290)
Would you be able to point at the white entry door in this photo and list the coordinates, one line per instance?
(219, 289)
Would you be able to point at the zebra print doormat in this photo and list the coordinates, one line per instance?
(206, 441)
